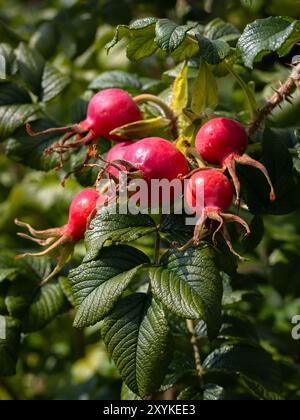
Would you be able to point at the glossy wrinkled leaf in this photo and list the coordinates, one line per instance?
(176, 230)
(258, 391)
(213, 51)
(42, 79)
(263, 36)
(169, 35)
(47, 303)
(188, 284)
(15, 108)
(30, 151)
(8, 62)
(118, 228)
(97, 285)
(218, 29)
(31, 271)
(14, 116)
(116, 79)
(214, 393)
(137, 337)
(127, 394)
(251, 362)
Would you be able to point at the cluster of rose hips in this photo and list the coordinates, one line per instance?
(221, 141)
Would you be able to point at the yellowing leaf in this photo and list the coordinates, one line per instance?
(180, 91)
(205, 90)
(142, 128)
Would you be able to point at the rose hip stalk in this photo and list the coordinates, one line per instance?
(212, 189)
(107, 110)
(81, 211)
(223, 141)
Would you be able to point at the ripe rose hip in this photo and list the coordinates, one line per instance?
(116, 153)
(81, 211)
(107, 110)
(157, 158)
(154, 158)
(209, 192)
(223, 141)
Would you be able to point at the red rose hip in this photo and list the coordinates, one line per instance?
(209, 194)
(81, 211)
(223, 141)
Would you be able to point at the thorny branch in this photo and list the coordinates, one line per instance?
(284, 93)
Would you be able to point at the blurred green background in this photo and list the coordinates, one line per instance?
(60, 362)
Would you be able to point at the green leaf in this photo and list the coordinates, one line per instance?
(279, 164)
(8, 35)
(30, 151)
(118, 228)
(121, 32)
(258, 390)
(213, 393)
(52, 84)
(65, 285)
(47, 303)
(190, 393)
(97, 285)
(218, 29)
(205, 90)
(14, 116)
(237, 328)
(41, 78)
(45, 39)
(137, 337)
(5, 273)
(116, 79)
(128, 395)
(169, 35)
(213, 51)
(142, 44)
(23, 289)
(9, 345)
(8, 63)
(188, 284)
(15, 108)
(187, 49)
(263, 36)
(140, 29)
(181, 366)
(11, 94)
(174, 227)
(254, 363)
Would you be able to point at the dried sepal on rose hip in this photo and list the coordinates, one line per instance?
(81, 211)
(223, 141)
(107, 110)
(210, 191)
